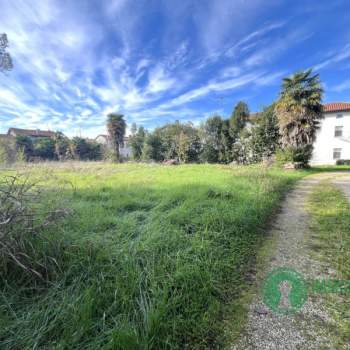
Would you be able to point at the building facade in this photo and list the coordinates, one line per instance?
(125, 150)
(333, 137)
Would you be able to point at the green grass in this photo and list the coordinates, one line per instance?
(153, 257)
(330, 225)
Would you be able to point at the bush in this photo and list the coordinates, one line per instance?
(23, 247)
(343, 162)
(44, 148)
(8, 154)
(84, 149)
(24, 145)
(300, 155)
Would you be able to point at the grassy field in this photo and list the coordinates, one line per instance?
(330, 224)
(151, 257)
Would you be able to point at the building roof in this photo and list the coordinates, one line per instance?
(33, 133)
(336, 107)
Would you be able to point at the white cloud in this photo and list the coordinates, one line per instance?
(335, 58)
(211, 87)
(251, 40)
(223, 19)
(8, 97)
(74, 64)
(159, 81)
(344, 86)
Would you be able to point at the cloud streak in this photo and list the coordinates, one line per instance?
(153, 61)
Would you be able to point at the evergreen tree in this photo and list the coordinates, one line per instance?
(265, 135)
(239, 118)
(211, 135)
(137, 141)
(153, 147)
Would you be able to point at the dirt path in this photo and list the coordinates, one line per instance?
(309, 328)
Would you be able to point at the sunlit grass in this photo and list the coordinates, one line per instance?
(330, 225)
(152, 257)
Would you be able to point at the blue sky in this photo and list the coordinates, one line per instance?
(162, 60)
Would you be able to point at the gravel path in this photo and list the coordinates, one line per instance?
(310, 327)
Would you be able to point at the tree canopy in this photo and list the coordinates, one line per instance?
(299, 108)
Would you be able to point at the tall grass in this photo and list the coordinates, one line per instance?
(330, 226)
(152, 258)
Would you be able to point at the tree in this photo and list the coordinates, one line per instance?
(116, 129)
(265, 135)
(83, 149)
(238, 119)
(137, 141)
(25, 144)
(153, 147)
(61, 146)
(79, 148)
(180, 141)
(95, 150)
(241, 149)
(189, 145)
(5, 58)
(299, 111)
(226, 141)
(44, 148)
(211, 139)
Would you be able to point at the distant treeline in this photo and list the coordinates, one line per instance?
(287, 129)
(59, 147)
(240, 138)
(217, 140)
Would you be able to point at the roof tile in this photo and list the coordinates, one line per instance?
(336, 107)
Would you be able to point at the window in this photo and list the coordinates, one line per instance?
(338, 131)
(339, 116)
(336, 153)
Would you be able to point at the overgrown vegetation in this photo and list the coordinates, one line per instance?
(330, 212)
(151, 258)
(23, 219)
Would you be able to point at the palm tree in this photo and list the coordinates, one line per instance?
(299, 109)
(116, 129)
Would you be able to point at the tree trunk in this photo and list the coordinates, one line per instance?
(117, 153)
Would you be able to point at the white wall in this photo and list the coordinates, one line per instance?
(326, 141)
